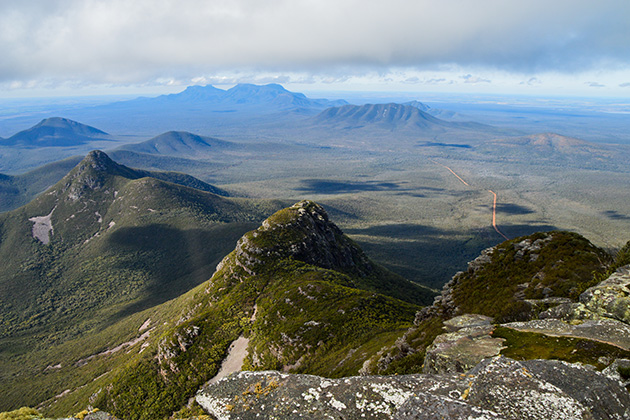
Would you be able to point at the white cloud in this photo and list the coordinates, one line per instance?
(140, 41)
(469, 78)
(532, 81)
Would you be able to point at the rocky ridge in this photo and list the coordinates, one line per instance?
(497, 388)
(542, 280)
(465, 373)
(302, 232)
(321, 307)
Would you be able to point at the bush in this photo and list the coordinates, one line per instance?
(24, 413)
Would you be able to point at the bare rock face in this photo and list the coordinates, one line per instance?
(583, 383)
(431, 407)
(467, 343)
(603, 314)
(613, 371)
(303, 232)
(497, 388)
(252, 395)
(508, 387)
(569, 312)
(610, 298)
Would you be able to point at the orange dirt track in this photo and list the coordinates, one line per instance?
(494, 204)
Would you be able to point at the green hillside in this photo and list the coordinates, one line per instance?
(18, 190)
(298, 289)
(304, 294)
(104, 243)
(104, 303)
(538, 279)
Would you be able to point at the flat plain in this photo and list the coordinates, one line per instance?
(382, 171)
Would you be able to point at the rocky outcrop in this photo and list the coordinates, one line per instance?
(610, 298)
(467, 342)
(535, 280)
(602, 314)
(497, 388)
(302, 232)
(615, 370)
(547, 389)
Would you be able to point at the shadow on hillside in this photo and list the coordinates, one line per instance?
(514, 231)
(170, 261)
(424, 254)
(429, 255)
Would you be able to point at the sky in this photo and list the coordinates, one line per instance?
(550, 47)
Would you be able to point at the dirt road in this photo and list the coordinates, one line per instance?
(494, 203)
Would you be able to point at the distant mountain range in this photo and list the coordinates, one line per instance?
(390, 116)
(56, 132)
(242, 97)
(166, 151)
(390, 125)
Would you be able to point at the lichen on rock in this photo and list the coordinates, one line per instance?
(468, 341)
(610, 298)
(497, 388)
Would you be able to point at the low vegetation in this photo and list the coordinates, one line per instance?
(309, 318)
(556, 264)
(527, 346)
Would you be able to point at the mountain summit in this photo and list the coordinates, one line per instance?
(179, 143)
(391, 116)
(56, 132)
(296, 295)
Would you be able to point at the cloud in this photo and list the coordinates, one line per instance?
(623, 85)
(594, 84)
(121, 41)
(437, 81)
(469, 78)
(532, 81)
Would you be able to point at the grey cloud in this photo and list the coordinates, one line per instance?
(120, 41)
(625, 85)
(594, 84)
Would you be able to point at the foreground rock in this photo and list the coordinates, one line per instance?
(467, 343)
(497, 388)
(610, 298)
